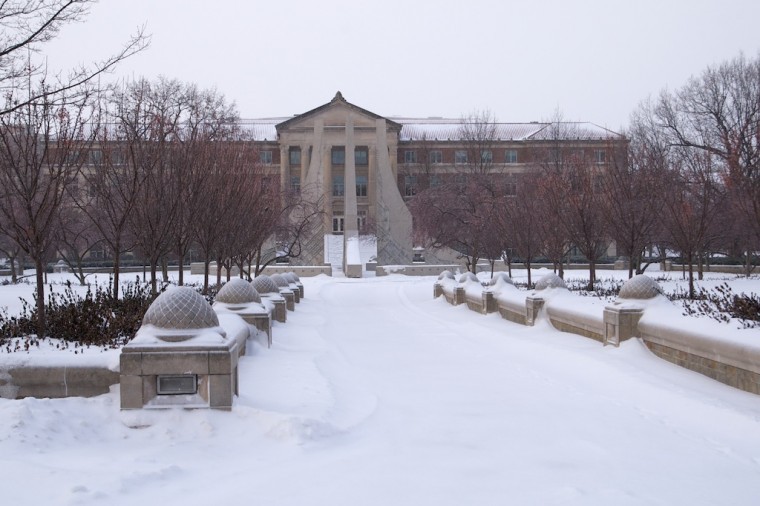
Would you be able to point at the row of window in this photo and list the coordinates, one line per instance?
(461, 156)
(339, 187)
(338, 156)
(338, 222)
(435, 156)
(411, 184)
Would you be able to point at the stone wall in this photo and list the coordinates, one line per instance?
(732, 361)
(55, 381)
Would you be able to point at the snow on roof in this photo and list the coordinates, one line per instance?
(448, 129)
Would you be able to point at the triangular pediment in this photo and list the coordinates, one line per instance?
(334, 113)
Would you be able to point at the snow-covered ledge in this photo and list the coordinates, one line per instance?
(704, 346)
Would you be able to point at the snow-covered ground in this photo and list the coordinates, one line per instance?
(374, 393)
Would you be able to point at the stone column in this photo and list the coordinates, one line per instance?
(351, 258)
(284, 168)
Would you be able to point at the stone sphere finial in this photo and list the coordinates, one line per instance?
(265, 284)
(468, 276)
(446, 275)
(551, 280)
(501, 277)
(640, 287)
(180, 308)
(280, 280)
(238, 291)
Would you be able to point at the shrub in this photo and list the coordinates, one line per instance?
(95, 319)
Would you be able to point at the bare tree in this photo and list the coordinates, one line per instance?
(25, 27)
(151, 119)
(691, 204)
(523, 213)
(718, 113)
(75, 237)
(208, 120)
(12, 251)
(460, 212)
(634, 182)
(41, 150)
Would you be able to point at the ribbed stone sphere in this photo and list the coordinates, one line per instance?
(551, 280)
(501, 276)
(640, 287)
(280, 280)
(468, 276)
(295, 276)
(264, 284)
(290, 277)
(180, 308)
(446, 275)
(238, 291)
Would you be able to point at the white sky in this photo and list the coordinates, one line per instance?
(594, 60)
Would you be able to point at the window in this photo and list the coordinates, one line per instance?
(510, 189)
(600, 156)
(337, 224)
(338, 185)
(295, 156)
(265, 157)
(96, 156)
(486, 156)
(460, 156)
(295, 184)
(361, 186)
(460, 179)
(511, 156)
(339, 156)
(435, 181)
(410, 156)
(435, 156)
(361, 157)
(410, 186)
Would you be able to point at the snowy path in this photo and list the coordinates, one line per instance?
(374, 393)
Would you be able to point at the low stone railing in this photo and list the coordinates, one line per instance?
(68, 375)
(641, 311)
(55, 380)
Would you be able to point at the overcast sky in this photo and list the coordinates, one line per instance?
(594, 60)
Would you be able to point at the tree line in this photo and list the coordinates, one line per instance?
(685, 183)
(150, 168)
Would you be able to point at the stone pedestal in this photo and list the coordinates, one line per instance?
(620, 323)
(280, 311)
(533, 306)
(290, 299)
(165, 375)
(459, 296)
(489, 303)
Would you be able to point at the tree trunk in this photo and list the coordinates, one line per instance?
(691, 276)
(527, 266)
(181, 263)
(40, 275)
(116, 270)
(591, 275)
(153, 277)
(206, 267)
(14, 276)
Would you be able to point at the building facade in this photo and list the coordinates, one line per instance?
(362, 167)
